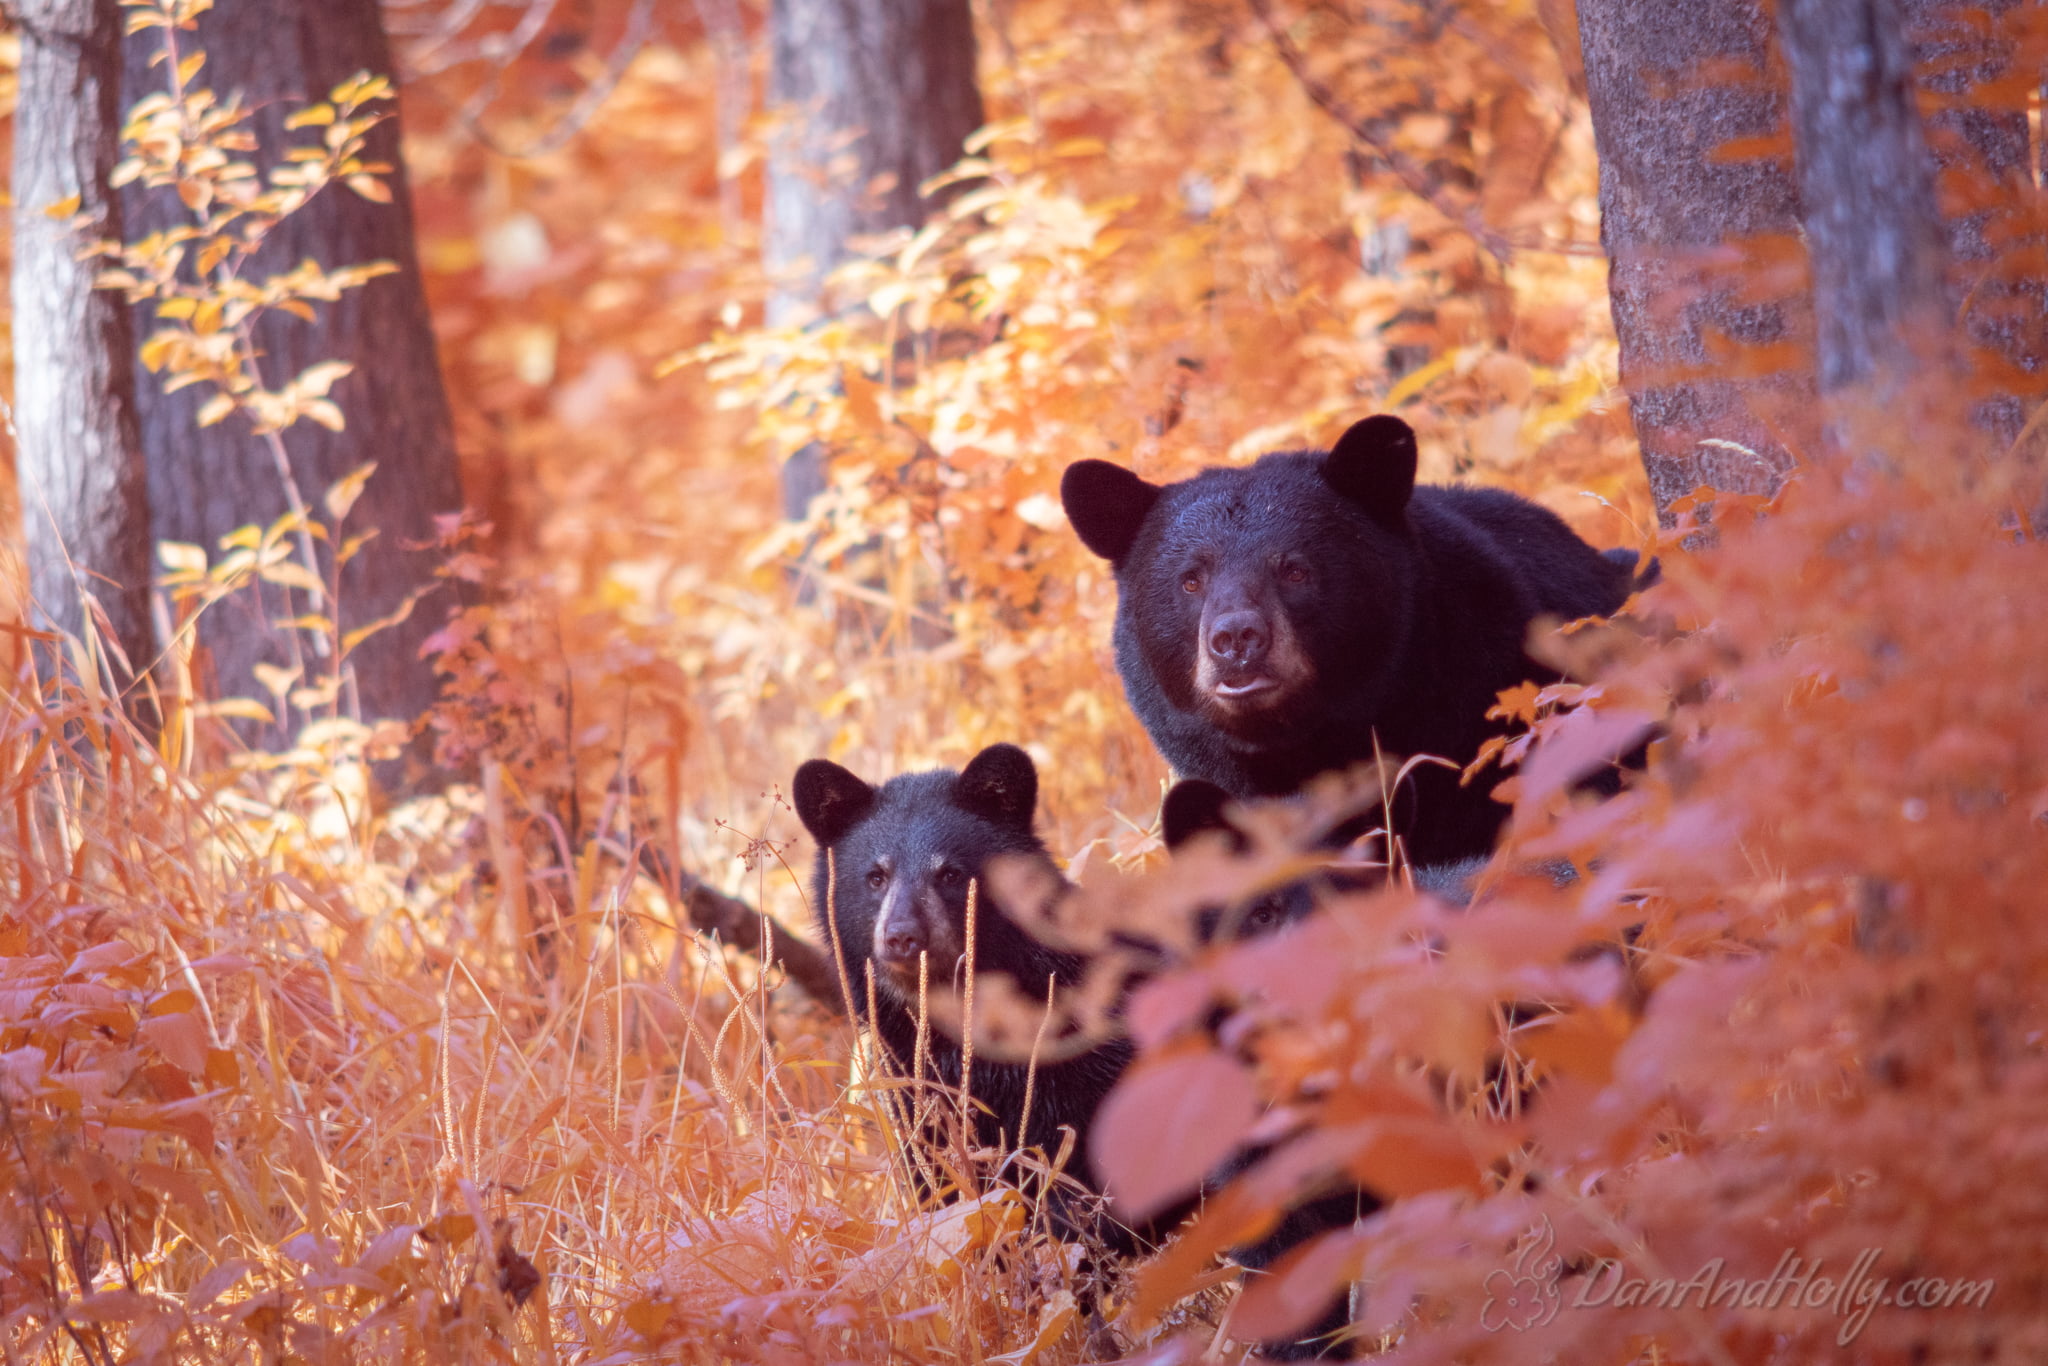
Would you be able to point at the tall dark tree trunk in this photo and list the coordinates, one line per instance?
(84, 494)
(1678, 188)
(205, 482)
(1963, 57)
(879, 95)
(1874, 234)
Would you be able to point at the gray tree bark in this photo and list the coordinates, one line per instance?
(83, 489)
(1659, 84)
(206, 482)
(879, 95)
(1980, 148)
(1875, 236)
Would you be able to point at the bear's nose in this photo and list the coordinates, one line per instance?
(1239, 638)
(901, 936)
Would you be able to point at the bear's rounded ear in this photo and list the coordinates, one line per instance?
(1000, 784)
(829, 800)
(1192, 806)
(1373, 464)
(1107, 504)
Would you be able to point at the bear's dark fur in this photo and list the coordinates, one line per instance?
(904, 854)
(1273, 619)
(1195, 807)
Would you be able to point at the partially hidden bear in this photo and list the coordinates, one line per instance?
(890, 885)
(1316, 609)
(1195, 808)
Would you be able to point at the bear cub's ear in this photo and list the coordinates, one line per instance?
(1107, 504)
(1000, 785)
(1373, 464)
(829, 800)
(1192, 806)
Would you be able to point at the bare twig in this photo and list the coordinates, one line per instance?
(1375, 133)
(439, 53)
(740, 925)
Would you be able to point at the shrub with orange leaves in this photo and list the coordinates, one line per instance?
(1823, 1063)
(286, 1071)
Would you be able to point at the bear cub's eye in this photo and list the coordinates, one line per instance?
(877, 879)
(949, 876)
(1293, 573)
(1191, 583)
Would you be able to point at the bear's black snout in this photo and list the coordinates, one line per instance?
(900, 934)
(1240, 639)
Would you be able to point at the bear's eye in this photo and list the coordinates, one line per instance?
(877, 879)
(1262, 917)
(1293, 573)
(949, 876)
(1191, 582)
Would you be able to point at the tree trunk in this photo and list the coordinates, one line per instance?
(1874, 235)
(205, 482)
(1963, 55)
(83, 489)
(1672, 204)
(879, 95)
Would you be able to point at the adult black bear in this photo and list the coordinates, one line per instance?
(1196, 806)
(904, 854)
(1273, 619)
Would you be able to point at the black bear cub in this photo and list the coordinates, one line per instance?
(904, 854)
(1274, 619)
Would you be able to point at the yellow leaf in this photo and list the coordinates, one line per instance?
(370, 188)
(64, 207)
(189, 68)
(182, 555)
(215, 409)
(312, 116)
(862, 397)
(173, 1002)
(364, 632)
(354, 543)
(236, 709)
(318, 695)
(342, 494)
(291, 574)
(1054, 1315)
(213, 253)
(325, 412)
(648, 1317)
(157, 350)
(276, 680)
(178, 306)
(1416, 380)
(315, 380)
(1017, 129)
